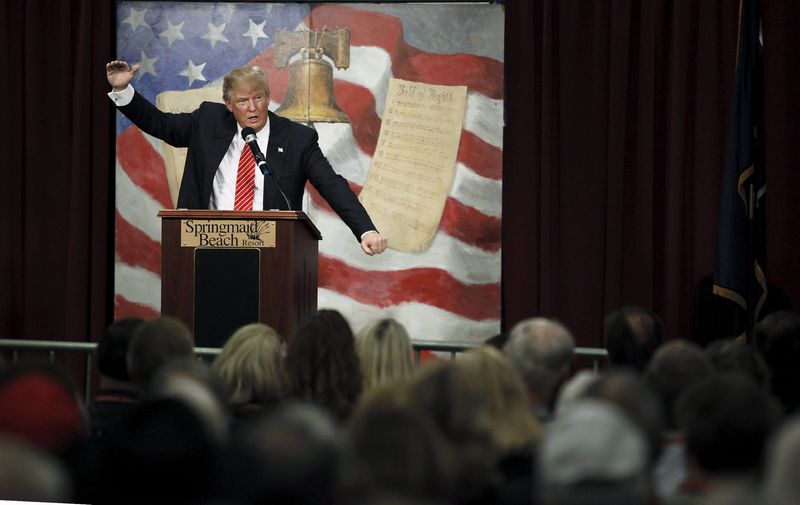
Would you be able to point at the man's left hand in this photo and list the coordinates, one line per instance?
(373, 243)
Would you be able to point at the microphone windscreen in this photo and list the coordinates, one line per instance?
(246, 132)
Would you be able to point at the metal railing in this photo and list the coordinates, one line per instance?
(51, 347)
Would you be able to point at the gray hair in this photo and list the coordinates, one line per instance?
(541, 350)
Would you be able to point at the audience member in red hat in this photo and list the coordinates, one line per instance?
(39, 405)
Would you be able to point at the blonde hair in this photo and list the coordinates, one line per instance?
(384, 349)
(251, 76)
(504, 405)
(251, 365)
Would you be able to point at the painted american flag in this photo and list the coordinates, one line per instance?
(449, 292)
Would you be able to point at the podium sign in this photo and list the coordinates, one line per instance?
(224, 269)
(230, 233)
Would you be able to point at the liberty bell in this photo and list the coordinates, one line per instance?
(309, 93)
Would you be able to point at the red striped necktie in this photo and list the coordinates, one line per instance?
(245, 181)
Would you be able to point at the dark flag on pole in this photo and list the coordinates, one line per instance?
(740, 270)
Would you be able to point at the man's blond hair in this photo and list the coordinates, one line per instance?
(253, 77)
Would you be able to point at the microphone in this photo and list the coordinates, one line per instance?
(249, 136)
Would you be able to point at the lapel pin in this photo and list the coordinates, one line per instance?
(280, 149)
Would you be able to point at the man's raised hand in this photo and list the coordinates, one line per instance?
(119, 74)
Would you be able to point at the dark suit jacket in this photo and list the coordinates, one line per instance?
(208, 132)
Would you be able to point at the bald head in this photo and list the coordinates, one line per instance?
(541, 351)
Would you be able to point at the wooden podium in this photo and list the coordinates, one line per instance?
(221, 270)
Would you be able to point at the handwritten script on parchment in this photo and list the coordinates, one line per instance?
(181, 101)
(412, 169)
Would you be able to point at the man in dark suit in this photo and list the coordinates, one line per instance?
(212, 134)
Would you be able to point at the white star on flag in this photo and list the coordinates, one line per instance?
(173, 32)
(136, 19)
(146, 66)
(255, 32)
(215, 35)
(193, 72)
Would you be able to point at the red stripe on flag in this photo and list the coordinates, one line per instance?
(458, 220)
(135, 248)
(358, 104)
(478, 73)
(126, 308)
(144, 165)
(470, 226)
(483, 158)
(429, 286)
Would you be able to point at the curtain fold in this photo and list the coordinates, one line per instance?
(612, 176)
(56, 143)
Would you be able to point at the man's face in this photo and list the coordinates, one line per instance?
(249, 106)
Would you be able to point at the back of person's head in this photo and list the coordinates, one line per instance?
(29, 474)
(628, 391)
(592, 454)
(631, 336)
(162, 453)
(322, 364)
(453, 396)
(251, 365)
(39, 405)
(502, 399)
(674, 367)
(112, 348)
(198, 386)
(781, 483)
(297, 455)
(726, 421)
(730, 355)
(777, 338)
(541, 351)
(397, 450)
(155, 343)
(385, 352)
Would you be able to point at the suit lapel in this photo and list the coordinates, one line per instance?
(275, 161)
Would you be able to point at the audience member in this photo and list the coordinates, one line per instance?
(631, 335)
(781, 485)
(726, 421)
(637, 400)
(385, 352)
(498, 341)
(322, 365)
(29, 474)
(39, 405)
(162, 453)
(251, 365)
(116, 394)
(777, 338)
(200, 388)
(541, 351)
(503, 402)
(295, 455)
(397, 451)
(732, 356)
(592, 454)
(574, 389)
(674, 367)
(453, 397)
(155, 343)
(503, 405)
